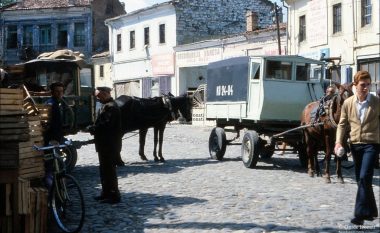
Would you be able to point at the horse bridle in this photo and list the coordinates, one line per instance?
(331, 117)
(168, 104)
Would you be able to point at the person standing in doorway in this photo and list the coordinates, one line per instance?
(107, 134)
(361, 115)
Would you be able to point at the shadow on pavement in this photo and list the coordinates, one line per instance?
(247, 226)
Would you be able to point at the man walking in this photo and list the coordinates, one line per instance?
(107, 134)
(361, 114)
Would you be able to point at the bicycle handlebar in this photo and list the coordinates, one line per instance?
(42, 148)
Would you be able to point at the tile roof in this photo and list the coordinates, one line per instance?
(45, 4)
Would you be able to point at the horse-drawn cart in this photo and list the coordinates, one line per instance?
(264, 95)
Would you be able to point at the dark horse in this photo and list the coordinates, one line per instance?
(143, 113)
(322, 137)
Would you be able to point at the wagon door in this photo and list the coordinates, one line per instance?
(227, 89)
(255, 89)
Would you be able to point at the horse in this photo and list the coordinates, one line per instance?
(143, 113)
(322, 136)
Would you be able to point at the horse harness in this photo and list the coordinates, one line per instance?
(326, 108)
(168, 104)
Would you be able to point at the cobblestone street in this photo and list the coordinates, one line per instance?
(192, 193)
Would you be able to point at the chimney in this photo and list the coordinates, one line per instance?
(252, 21)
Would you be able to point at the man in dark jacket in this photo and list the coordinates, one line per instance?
(54, 130)
(107, 134)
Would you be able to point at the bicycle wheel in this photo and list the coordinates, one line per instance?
(67, 204)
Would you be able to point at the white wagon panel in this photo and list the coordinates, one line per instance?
(284, 100)
(226, 110)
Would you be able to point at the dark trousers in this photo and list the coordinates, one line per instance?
(365, 156)
(108, 177)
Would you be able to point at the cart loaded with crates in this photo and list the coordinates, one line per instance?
(78, 105)
(264, 96)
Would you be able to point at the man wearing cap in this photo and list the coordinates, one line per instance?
(107, 134)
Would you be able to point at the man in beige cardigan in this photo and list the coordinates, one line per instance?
(361, 115)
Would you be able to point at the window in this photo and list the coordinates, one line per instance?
(101, 71)
(279, 70)
(28, 36)
(45, 34)
(337, 18)
(62, 35)
(373, 67)
(146, 36)
(255, 71)
(162, 33)
(79, 35)
(132, 39)
(302, 29)
(303, 71)
(366, 12)
(12, 37)
(118, 42)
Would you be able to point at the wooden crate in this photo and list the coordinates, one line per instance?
(6, 224)
(23, 196)
(35, 222)
(35, 128)
(6, 201)
(44, 114)
(11, 101)
(13, 128)
(28, 162)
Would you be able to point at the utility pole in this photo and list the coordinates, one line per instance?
(276, 9)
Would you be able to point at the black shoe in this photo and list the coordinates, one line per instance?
(369, 218)
(357, 221)
(110, 200)
(99, 198)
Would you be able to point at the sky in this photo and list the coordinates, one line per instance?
(132, 5)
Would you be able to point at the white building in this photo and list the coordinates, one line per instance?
(102, 70)
(337, 28)
(141, 42)
(141, 49)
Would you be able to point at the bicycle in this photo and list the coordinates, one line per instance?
(65, 195)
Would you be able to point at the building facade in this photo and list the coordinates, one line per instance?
(31, 27)
(141, 42)
(102, 70)
(342, 29)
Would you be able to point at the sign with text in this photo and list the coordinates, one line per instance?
(227, 80)
(203, 56)
(163, 64)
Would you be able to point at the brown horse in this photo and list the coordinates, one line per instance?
(321, 136)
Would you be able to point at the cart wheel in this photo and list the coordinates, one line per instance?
(217, 143)
(302, 154)
(250, 149)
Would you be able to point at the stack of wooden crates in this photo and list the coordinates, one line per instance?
(23, 199)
